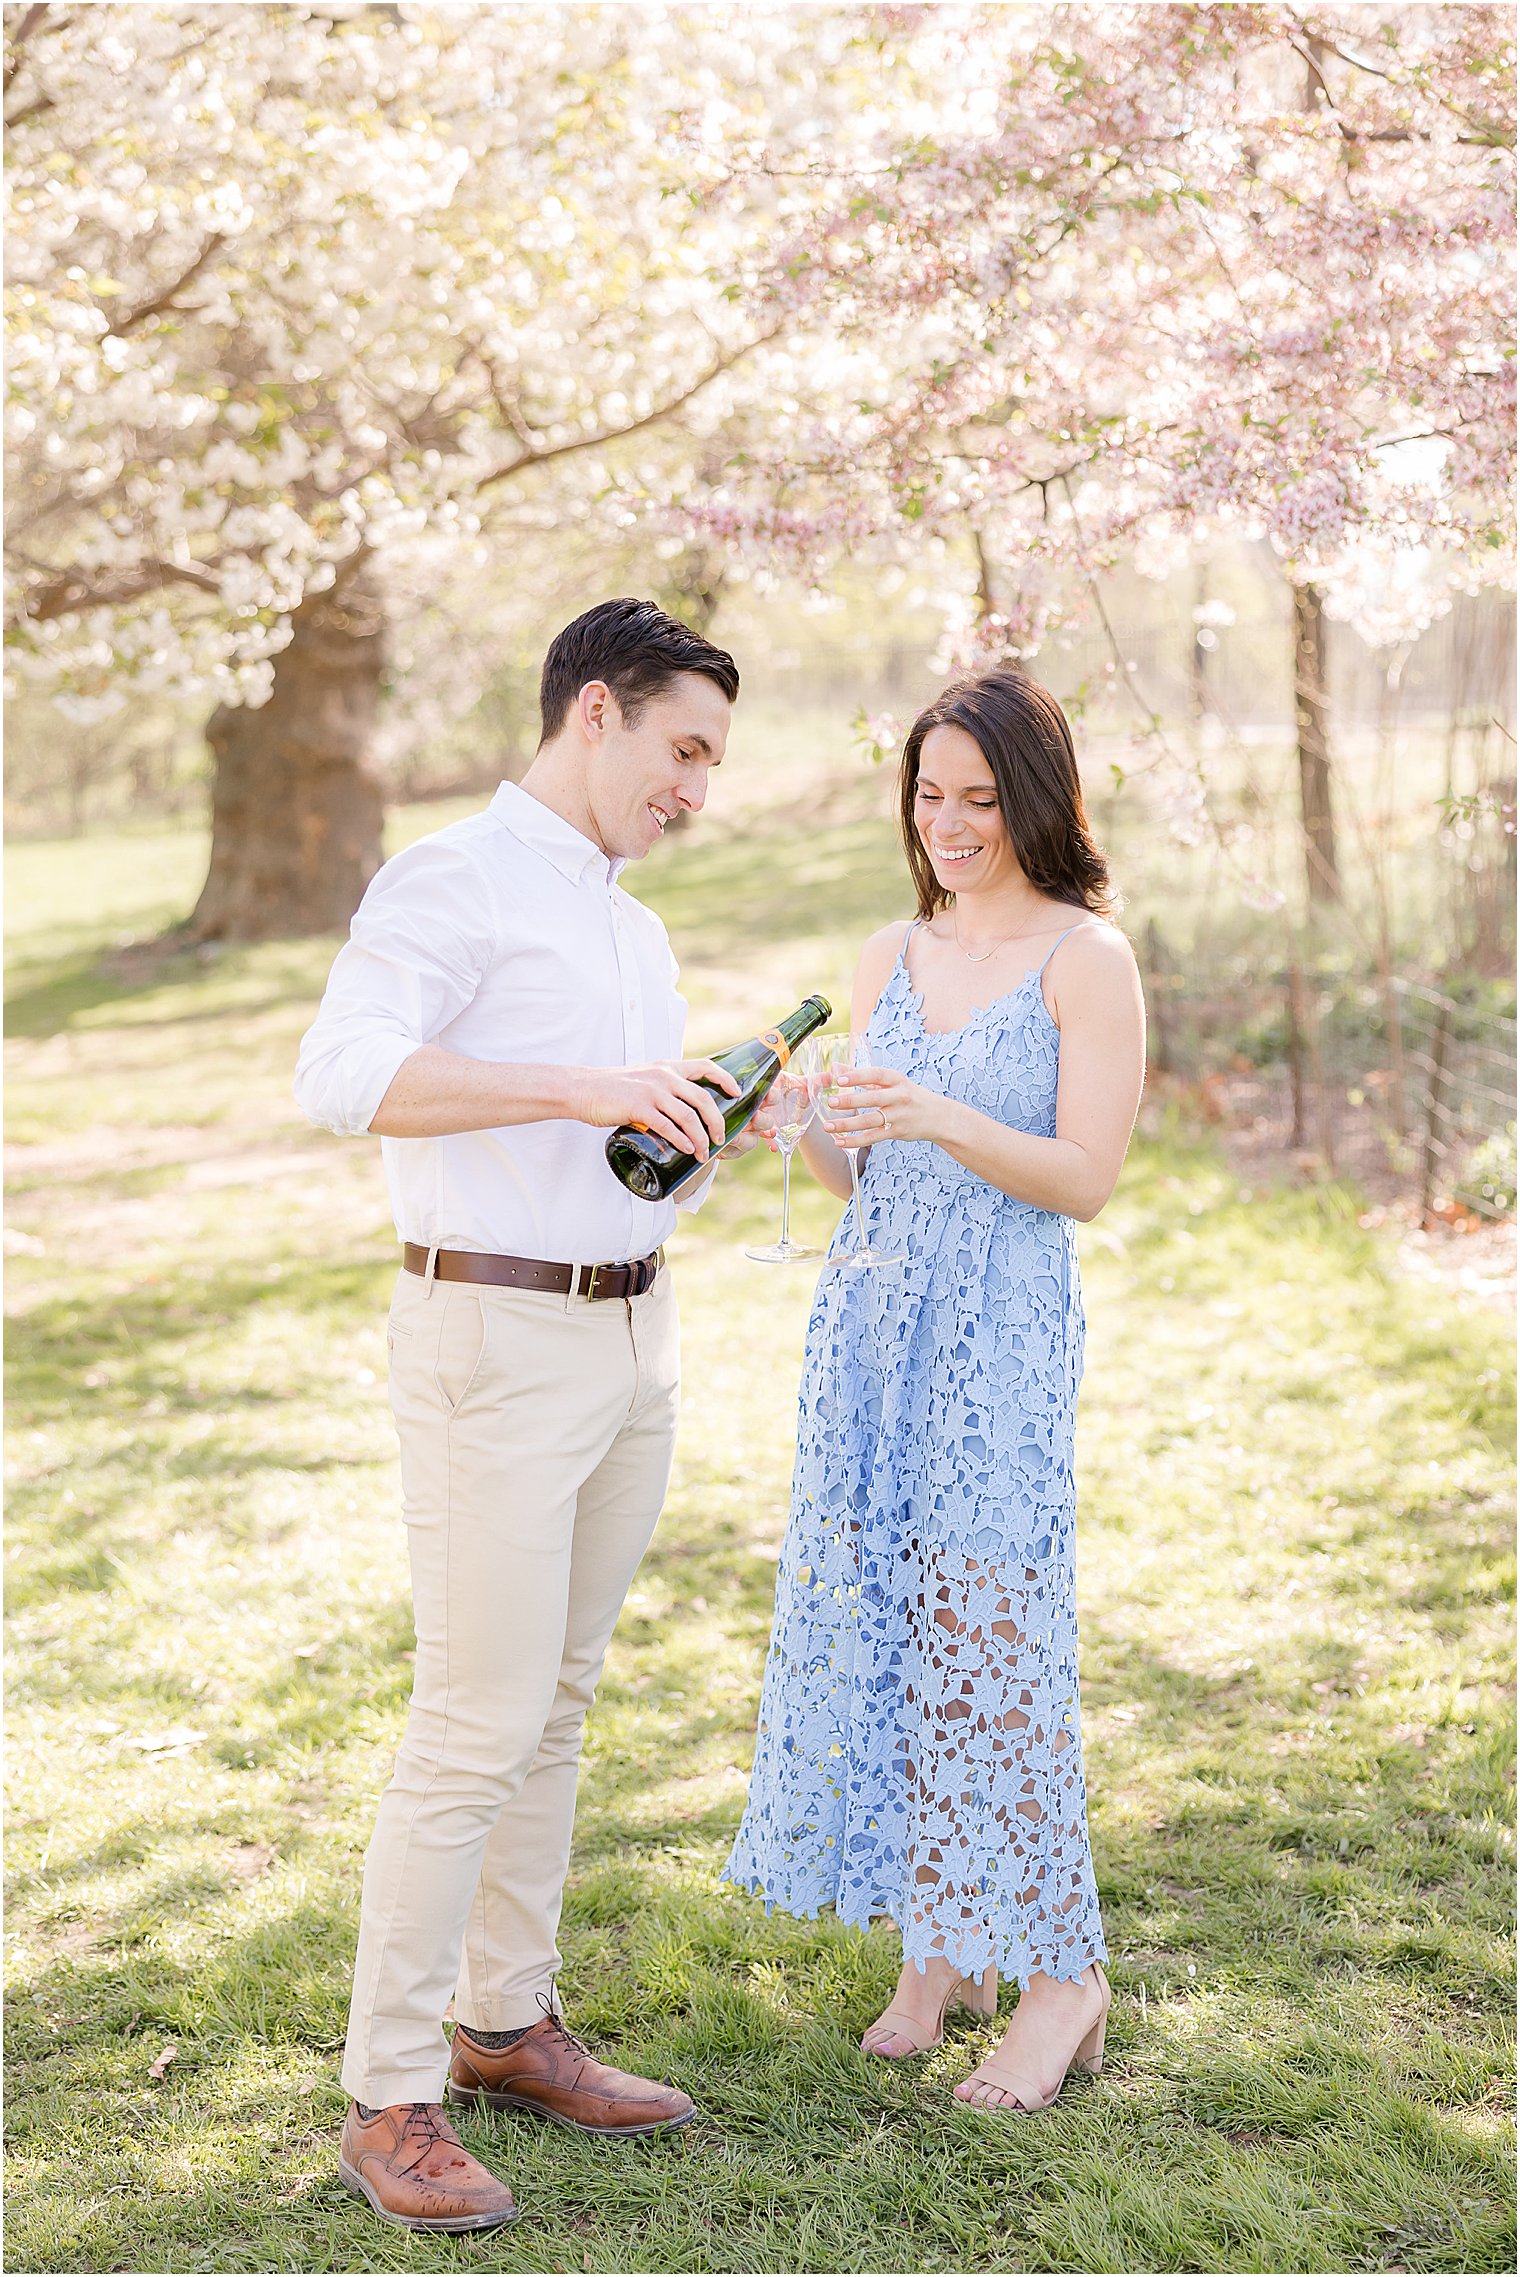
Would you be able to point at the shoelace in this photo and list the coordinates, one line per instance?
(563, 2032)
(428, 2118)
(561, 2029)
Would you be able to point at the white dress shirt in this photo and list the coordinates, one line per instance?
(503, 937)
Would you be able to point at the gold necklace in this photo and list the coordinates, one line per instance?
(980, 956)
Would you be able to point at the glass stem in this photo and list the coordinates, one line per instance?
(860, 1222)
(786, 1197)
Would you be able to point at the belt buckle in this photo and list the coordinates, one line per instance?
(593, 1270)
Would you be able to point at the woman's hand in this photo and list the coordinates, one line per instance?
(879, 1103)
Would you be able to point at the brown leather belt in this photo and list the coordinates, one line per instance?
(590, 1281)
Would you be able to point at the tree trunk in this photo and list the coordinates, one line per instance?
(1310, 705)
(295, 812)
(1198, 657)
(986, 597)
(694, 588)
(691, 593)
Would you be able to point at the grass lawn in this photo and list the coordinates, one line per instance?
(1295, 1596)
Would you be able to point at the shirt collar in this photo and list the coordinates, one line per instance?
(549, 834)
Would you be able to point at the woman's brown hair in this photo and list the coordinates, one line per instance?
(1022, 734)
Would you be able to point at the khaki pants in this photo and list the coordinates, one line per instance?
(536, 1437)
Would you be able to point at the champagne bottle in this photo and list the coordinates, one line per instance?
(652, 1167)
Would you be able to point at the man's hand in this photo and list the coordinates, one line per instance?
(665, 1098)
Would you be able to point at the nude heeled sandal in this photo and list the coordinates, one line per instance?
(1088, 2054)
(980, 1998)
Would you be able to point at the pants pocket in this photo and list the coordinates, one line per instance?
(463, 1339)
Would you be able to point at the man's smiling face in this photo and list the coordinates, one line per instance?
(644, 774)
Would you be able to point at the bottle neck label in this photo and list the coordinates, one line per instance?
(774, 1041)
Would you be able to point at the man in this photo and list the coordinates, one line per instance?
(500, 1004)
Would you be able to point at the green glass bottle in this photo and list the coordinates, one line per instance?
(652, 1167)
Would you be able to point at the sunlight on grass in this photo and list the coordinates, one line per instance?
(1296, 1580)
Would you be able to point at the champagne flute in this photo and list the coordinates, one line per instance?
(793, 1098)
(841, 1055)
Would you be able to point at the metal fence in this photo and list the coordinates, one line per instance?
(1405, 1088)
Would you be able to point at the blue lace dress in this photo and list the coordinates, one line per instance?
(919, 1752)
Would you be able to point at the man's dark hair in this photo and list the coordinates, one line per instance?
(636, 649)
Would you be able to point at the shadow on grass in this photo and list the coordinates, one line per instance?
(85, 981)
(55, 1339)
(284, 1978)
(174, 1894)
(89, 978)
(1246, 2093)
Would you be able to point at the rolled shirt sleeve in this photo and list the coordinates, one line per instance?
(420, 943)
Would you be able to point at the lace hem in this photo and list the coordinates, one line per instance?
(1016, 1958)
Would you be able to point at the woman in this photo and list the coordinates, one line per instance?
(919, 1752)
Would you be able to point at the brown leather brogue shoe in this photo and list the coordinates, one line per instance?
(415, 2173)
(550, 2072)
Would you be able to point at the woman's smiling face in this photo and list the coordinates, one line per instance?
(956, 813)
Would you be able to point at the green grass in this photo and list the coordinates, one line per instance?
(1295, 1588)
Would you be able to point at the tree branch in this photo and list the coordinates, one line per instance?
(1304, 48)
(31, 21)
(1488, 135)
(68, 593)
(616, 434)
(35, 19)
(508, 412)
(986, 601)
(31, 110)
(170, 293)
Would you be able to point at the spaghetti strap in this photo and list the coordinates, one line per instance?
(1083, 927)
(902, 946)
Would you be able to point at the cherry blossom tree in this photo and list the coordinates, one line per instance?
(303, 301)
(1124, 278)
(311, 308)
